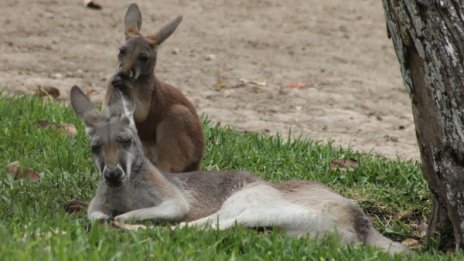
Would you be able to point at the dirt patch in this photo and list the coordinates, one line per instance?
(324, 69)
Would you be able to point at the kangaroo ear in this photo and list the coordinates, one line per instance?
(84, 108)
(132, 20)
(165, 32)
(122, 106)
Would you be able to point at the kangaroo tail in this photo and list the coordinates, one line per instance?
(374, 238)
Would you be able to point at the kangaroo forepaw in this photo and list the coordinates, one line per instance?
(98, 216)
(119, 83)
(127, 217)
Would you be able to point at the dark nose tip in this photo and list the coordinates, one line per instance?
(112, 175)
(123, 74)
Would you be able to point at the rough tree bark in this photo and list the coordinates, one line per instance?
(428, 37)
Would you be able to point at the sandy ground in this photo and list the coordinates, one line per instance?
(324, 69)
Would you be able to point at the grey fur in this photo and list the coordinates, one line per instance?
(133, 18)
(207, 191)
(216, 199)
(167, 30)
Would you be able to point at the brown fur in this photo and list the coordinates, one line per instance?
(167, 123)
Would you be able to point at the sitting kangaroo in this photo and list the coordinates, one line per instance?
(132, 188)
(167, 123)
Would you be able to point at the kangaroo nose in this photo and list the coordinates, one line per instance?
(123, 74)
(127, 73)
(113, 175)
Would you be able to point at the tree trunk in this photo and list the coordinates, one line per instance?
(428, 37)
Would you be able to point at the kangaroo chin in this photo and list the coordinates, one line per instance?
(208, 199)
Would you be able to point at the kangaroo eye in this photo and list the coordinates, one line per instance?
(122, 52)
(96, 148)
(143, 58)
(125, 141)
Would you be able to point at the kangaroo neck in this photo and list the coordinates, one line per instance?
(154, 90)
(156, 96)
(146, 96)
(153, 176)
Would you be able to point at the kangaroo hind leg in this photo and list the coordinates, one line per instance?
(260, 205)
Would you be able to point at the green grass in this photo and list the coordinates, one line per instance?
(34, 225)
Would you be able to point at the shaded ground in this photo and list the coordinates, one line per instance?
(325, 69)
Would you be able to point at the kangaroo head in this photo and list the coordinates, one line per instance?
(137, 56)
(117, 151)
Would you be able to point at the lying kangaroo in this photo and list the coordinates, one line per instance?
(167, 123)
(132, 188)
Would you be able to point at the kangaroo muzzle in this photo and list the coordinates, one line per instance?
(132, 74)
(113, 175)
(121, 79)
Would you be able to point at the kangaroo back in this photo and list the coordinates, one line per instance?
(167, 123)
(207, 191)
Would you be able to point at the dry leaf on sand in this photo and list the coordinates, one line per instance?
(49, 91)
(296, 85)
(92, 4)
(88, 91)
